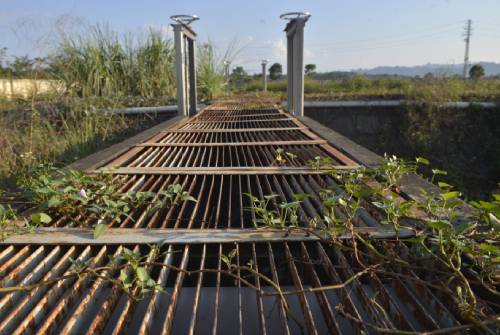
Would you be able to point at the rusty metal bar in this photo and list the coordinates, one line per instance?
(234, 144)
(232, 130)
(263, 170)
(79, 236)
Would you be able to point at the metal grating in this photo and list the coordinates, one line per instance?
(210, 302)
(230, 137)
(222, 156)
(221, 200)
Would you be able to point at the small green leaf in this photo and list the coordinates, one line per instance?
(54, 201)
(99, 229)
(489, 248)
(40, 218)
(442, 184)
(300, 196)
(438, 225)
(441, 172)
(142, 274)
(422, 160)
(187, 197)
(494, 221)
(450, 195)
(463, 227)
(125, 279)
(342, 202)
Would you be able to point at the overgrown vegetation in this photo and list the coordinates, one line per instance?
(51, 194)
(460, 249)
(59, 135)
(362, 87)
(99, 63)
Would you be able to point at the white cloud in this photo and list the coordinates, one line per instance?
(278, 51)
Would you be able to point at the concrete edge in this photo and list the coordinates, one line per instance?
(103, 156)
(352, 149)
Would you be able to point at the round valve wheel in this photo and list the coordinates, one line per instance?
(184, 19)
(295, 15)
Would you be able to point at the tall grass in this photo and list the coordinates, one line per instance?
(211, 69)
(99, 63)
(59, 136)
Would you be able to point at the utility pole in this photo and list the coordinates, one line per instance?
(467, 33)
(264, 75)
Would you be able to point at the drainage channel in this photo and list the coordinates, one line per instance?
(226, 151)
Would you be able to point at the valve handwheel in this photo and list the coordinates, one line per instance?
(184, 19)
(295, 15)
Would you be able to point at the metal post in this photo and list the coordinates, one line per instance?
(295, 60)
(185, 63)
(264, 75)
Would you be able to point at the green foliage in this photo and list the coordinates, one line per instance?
(359, 87)
(476, 72)
(275, 71)
(79, 196)
(282, 157)
(98, 63)
(7, 214)
(213, 69)
(284, 214)
(135, 275)
(210, 72)
(310, 69)
(60, 134)
(442, 233)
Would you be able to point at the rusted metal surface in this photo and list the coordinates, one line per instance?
(80, 236)
(210, 302)
(233, 144)
(217, 156)
(221, 200)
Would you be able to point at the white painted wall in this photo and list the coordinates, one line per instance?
(26, 87)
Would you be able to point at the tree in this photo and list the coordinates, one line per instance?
(239, 76)
(275, 71)
(239, 73)
(310, 69)
(476, 71)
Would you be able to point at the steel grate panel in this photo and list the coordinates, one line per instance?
(211, 302)
(221, 201)
(222, 156)
(230, 137)
(238, 125)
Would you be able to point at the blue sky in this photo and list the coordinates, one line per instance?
(340, 35)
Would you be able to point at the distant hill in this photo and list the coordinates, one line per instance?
(491, 69)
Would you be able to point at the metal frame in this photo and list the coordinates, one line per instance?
(185, 64)
(295, 60)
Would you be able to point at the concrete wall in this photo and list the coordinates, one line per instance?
(463, 141)
(26, 87)
(361, 124)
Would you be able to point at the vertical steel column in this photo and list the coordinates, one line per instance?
(295, 60)
(185, 64)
